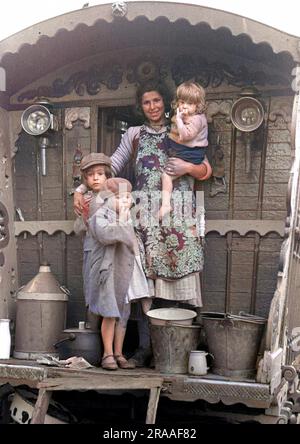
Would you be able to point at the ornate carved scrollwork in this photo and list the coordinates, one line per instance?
(74, 114)
(81, 82)
(184, 67)
(214, 74)
(289, 373)
(4, 231)
(144, 70)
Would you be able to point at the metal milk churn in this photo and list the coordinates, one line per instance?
(41, 315)
(5, 339)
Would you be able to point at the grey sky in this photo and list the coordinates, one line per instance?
(16, 15)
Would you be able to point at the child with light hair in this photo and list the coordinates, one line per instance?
(187, 138)
(116, 273)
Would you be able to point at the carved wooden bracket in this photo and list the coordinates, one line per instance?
(280, 107)
(215, 108)
(74, 114)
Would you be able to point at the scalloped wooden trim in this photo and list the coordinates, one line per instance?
(50, 227)
(241, 227)
(259, 33)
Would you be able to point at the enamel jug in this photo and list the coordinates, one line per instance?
(5, 339)
(197, 363)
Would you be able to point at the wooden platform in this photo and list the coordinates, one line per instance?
(211, 388)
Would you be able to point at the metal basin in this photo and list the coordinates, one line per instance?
(167, 316)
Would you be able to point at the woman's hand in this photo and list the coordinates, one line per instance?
(177, 167)
(78, 203)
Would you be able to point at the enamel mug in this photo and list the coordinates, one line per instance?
(198, 363)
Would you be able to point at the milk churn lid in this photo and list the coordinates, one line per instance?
(44, 286)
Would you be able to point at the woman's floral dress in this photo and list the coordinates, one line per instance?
(172, 247)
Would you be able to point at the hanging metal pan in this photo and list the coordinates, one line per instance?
(247, 114)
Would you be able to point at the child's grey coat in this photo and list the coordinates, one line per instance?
(111, 263)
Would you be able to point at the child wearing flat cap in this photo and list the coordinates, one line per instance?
(95, 169)
(116, 274)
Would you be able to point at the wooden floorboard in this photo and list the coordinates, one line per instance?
(180, 387)
(137, 372)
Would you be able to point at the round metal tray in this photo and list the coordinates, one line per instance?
(247, 114)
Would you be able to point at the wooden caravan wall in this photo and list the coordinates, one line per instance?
(49, 198)
(240, 269)
(8, 258)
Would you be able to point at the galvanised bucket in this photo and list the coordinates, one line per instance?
(234, 342)
(172, 345)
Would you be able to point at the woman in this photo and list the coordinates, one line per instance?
(173, 257)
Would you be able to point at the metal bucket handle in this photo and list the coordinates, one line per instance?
(71, 337)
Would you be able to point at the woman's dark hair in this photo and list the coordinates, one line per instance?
(159, 87)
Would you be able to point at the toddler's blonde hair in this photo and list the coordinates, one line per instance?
(191, 92)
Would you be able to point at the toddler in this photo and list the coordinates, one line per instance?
(116, 273)
(187, 139)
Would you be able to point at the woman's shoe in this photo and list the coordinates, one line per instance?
(123, 363)
(112, 365)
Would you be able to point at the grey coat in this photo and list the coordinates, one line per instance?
(111, 263)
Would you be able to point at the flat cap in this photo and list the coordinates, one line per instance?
(94, 159)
